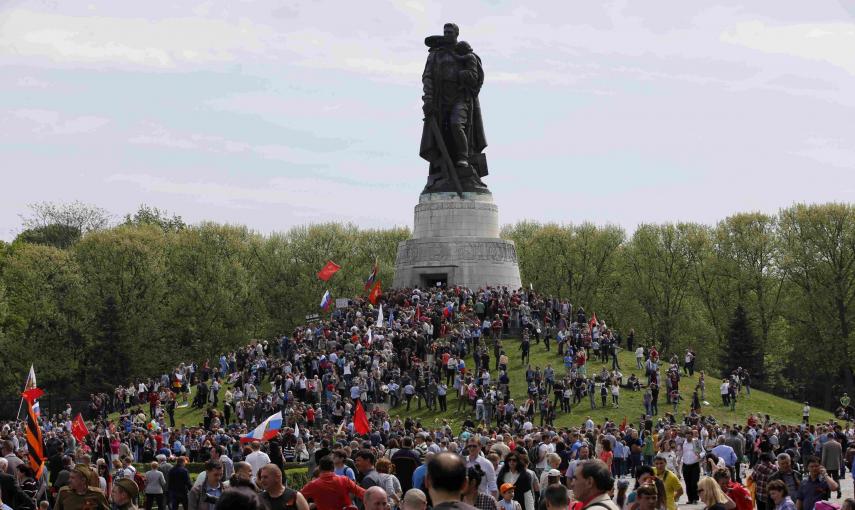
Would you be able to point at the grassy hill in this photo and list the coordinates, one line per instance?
(780, 409)
(631, 406)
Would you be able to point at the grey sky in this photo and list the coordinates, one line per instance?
(272, 114)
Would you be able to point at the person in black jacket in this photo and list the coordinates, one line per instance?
(10, 492)
(179, 485)
(514, 469)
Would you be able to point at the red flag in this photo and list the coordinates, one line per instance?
(330, 269)
(32, 394)
(594, 321)
(360, 421)
(78, 428)
(375, 293)
(623, 424)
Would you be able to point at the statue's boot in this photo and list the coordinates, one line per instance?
(458, 135)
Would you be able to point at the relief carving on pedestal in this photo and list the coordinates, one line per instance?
(456, 205)
(472, 251)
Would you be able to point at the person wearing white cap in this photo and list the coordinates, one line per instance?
(553, 476)
(553, 460)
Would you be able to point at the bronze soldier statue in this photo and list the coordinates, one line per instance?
(453, 134)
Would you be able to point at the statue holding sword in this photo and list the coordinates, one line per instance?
(453, 134)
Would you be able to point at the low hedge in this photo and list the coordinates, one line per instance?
(296, 473)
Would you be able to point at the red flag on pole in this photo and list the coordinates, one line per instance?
(360, 421)
(593, 321)
(32, 394)
(375, 293)
(330, 269)
(78, 428)
(623, 424)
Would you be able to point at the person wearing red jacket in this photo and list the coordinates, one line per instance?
(735, 491)
(330, 491)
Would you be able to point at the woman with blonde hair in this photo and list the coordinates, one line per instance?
(389, 481)
(712, 496)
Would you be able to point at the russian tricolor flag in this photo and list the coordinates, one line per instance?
(30, 384)
(326, 301)
(267, 430)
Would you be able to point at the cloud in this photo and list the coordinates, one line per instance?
(29, 82)
(304, 197)
(52, 122)
(157, 135)
(202, 106)
(826, 42)
(160, 44)
(830, 151)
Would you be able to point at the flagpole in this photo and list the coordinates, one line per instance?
(26, 383)
(18, 415)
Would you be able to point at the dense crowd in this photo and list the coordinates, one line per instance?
(434, 348)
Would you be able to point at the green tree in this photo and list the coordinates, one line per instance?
(147, 215)
(78, 215)
(818, 244)
(748, 247)
(742, 349)
(658, 276)
(209, 306)
(46, 319)
(106, 337)
(573, 262)
(56, 235)
(126, 264)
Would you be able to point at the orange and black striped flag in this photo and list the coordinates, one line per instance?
(33, 433)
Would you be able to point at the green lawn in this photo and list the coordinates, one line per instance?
(780, 409)
(631, 406)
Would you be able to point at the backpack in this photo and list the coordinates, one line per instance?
(140, 481)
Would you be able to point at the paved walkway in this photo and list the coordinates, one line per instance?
(847, 486)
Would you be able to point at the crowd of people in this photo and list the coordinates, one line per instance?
(434, 348)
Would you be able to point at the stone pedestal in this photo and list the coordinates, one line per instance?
(456, 241)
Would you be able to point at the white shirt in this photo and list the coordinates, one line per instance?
(257, 460)
(488, 483)
(688, 454)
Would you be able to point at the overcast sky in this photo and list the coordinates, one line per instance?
(273, 114)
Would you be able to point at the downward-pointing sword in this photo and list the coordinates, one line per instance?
(446, 163)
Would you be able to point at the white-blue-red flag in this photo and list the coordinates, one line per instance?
(30, 384)
(267, 430)
(448, 310)
(326, 301)
(373, 276)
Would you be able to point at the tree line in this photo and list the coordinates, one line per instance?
(97, 307)
(790, 277)
(95, 303)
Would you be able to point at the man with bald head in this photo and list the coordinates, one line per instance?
(375, 499)
(414, 499)
(446, 480)
(278, 496)
(242, 476)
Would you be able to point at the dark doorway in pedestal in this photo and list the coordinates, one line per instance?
(434, 280)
